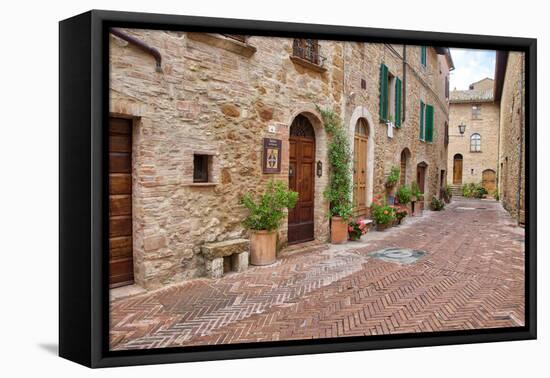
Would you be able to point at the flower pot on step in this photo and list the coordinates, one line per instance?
(382, 227)
(263, 247)
(338, 230)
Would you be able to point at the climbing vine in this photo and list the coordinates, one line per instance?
(339, 190)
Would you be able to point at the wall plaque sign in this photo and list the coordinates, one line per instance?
(272, 155)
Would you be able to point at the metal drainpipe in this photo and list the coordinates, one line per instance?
(142, 45)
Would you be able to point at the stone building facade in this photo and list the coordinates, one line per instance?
(199, 121)
(510, 93)
(473, 156)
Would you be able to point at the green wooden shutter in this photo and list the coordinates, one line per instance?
(398, 86)
(429, 123)
(421, 120)
(383, 93)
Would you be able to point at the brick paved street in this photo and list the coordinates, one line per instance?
(471, 277)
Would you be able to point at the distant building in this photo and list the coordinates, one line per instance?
(510, 94)
(473, 154)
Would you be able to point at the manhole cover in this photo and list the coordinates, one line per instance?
(398, 255)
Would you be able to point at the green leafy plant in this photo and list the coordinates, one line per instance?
(495, 194)
(437, 204)
(393, 177)
(403, 194)
(400, 212)
(339, 189)
(267, 212)
(381, 212)
(473, 190)
(415, 191)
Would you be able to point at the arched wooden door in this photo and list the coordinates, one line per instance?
(489, 180)
(301, 179)
(457, 169)
(360, 142)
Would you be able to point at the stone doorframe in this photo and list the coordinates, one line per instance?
(321, 227)
(362, 112)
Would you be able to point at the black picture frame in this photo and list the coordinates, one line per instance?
(83, 110)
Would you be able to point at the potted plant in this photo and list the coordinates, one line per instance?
(391, 182)
(383, 214)
(339, 189)
(436, 204)
(417, 200)
(264, 218)
(400, 213)
(357, 228)
(446, 194)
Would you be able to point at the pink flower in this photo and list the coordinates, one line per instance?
(350, 229)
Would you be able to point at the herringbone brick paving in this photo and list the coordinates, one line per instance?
(472, 277)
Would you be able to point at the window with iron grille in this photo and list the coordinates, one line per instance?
(307, 49)
(475, 143)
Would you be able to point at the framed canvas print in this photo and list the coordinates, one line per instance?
(234, 188)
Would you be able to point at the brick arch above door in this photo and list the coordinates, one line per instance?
(358, 113)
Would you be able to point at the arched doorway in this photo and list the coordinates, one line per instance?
(489, 180)
(405, 163)
(457, 169)
(360, 143)
(301, 179)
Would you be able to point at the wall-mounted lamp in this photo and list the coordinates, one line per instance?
(319, 168)
(462, 128)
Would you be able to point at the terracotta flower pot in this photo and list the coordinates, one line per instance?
(263, 247)
(382, 227)
(338, 230)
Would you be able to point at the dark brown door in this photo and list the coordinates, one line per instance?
(421, 177)
(121, 264)
(457, 169)
(301, 180)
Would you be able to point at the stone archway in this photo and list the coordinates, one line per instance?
(362, 112)
(405, 167)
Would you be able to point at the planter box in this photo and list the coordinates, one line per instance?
(338, 230)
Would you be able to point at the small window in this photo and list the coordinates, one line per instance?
(476, 111)
(200, 167)
(475, 143)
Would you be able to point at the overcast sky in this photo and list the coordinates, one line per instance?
(471, 66)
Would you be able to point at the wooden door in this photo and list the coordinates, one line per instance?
(121, 264)
(457, 169)
(488, 180)
(421, 177)
(360, 168)
(301, 179)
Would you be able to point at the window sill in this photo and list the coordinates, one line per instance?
(224, 42)
(202, 184)
(307, 64)
(475, 152)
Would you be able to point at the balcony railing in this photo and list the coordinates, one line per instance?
(308, 49)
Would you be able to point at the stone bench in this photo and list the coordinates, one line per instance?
(224, 256)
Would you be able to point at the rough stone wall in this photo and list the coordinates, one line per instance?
(213, 100)
(473, 163)
(512, 138)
